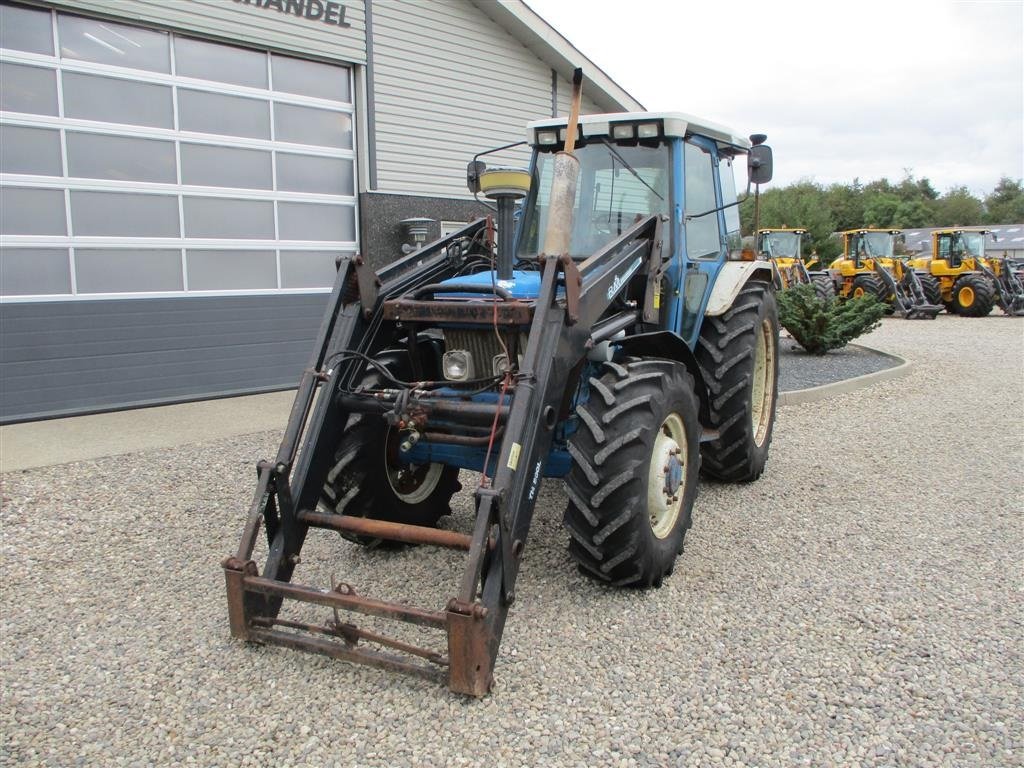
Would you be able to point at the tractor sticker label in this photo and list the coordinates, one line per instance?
(620, 280)
(513, 456)
(534, 481)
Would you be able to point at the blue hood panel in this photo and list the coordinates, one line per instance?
(523, 285)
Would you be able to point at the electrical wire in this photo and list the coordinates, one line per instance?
(484, 480)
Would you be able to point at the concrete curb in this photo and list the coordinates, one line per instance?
(812, 394)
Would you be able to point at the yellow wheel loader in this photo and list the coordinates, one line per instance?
(783, 248)
(869, 266)
(968, 283)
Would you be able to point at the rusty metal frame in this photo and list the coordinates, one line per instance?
(572, 298)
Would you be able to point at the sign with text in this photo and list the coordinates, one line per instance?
(314, 10)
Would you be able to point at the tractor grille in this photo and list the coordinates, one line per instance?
(482, 346)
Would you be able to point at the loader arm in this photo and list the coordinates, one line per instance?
(908, 295)
(1009, 290)
(563, 322)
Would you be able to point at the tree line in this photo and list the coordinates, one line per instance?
(911, 203)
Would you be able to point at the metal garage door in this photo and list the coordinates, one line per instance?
(172, 173)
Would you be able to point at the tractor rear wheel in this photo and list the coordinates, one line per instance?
(824, 288)
(634, 474)
(367, 479)
(973, 296)
(931, 288)
(739, 362)
(870, 285)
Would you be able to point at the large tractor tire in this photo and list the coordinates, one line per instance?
(824, 288)
(973, 296)
(634, 474)
(367, 480)
(739, 361)
(931, 288)
(871, 285)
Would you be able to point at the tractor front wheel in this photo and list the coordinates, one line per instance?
(367, 479)
(739, 361)
(634, 474)
(973, 296)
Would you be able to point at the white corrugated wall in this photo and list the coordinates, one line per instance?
(449, 82)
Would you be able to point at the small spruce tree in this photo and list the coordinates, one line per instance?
(819, 326)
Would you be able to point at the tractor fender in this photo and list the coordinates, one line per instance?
(669, 346)
(731, 278)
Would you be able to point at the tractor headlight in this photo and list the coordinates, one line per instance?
(623, 131)
(647, 131)
(499, 364)
(457, 365)
(547, 137)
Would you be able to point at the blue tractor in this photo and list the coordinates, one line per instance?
(602, 327)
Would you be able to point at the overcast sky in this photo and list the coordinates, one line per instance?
(843, 90)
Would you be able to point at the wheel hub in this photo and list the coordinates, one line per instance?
(412, 483)
(673, 474)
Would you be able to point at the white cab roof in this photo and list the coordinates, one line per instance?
(677, 124)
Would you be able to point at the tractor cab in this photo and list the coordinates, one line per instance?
(634, 166)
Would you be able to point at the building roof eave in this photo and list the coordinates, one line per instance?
(523, 23)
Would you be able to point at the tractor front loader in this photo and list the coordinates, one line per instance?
(609, 339)
(869, 266)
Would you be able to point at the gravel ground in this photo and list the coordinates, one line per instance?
(800, 370)
(865, 616)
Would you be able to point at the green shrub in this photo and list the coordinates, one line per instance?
(819, 326)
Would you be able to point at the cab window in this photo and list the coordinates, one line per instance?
(703, 239)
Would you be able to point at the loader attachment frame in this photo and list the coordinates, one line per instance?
(563, 322)
(1009, 288)
(909, 300)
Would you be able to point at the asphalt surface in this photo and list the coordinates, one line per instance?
(861, 604)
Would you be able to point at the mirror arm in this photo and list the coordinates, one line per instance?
(692, 216)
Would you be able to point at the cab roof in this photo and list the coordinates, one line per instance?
(675, 125)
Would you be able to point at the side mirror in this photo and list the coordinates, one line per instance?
(473, 171)
(759, 164)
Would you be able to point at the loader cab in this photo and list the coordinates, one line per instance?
(957, 246)
(780, 243)
(862, 245)
(635, 165)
